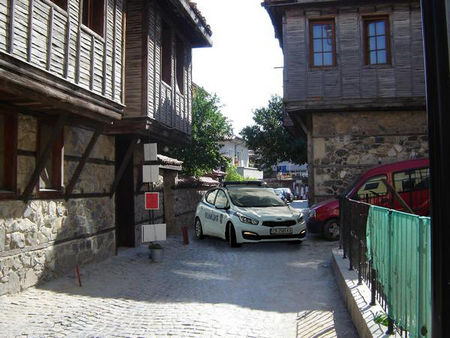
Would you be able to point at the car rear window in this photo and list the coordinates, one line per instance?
(254, 197)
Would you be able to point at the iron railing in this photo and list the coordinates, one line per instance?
(390, 250)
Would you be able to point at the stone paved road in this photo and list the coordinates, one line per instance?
(205, 288)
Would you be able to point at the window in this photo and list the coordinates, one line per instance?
(51, 175)
(412, 180)
(61, 3)
(221, 200)
(166, 54)
(373, 187)
(180, 64)
(322, 43)
(8, 152)
(376, 41)
(94, 15)
(211, 196)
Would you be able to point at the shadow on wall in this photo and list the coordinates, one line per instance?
(40, 239)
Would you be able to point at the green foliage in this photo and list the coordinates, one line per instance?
(270, 140)
(232, 174)
(152, 246)
(209, 127)
(381, 319)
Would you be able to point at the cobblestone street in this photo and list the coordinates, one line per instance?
(204, 288)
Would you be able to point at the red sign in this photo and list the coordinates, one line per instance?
(152, 201)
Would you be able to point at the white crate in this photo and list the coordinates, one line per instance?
(153, 232)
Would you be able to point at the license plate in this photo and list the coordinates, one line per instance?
(281, 231)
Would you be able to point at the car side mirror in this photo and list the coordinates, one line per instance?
(223, 206)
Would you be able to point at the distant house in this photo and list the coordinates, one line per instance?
(239, 155)
(353, 84)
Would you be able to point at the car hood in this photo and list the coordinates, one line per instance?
(279, 212)
(331, 203)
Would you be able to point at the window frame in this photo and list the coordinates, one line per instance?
(11, 142)
(366, 20)
(57, 160)
(323, 21)
(91, 18)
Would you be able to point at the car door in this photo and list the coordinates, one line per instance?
(221, 204)
(413, 187)
(207, 212)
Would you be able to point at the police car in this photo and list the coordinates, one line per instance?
(247, 212)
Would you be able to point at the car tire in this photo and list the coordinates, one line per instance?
(232, 236)
(198, 229)
(331, 230)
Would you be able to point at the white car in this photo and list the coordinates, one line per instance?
(247, 212)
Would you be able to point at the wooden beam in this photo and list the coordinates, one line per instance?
(105, 50)
(30, 29)
(397, 196)
(92, 66)
(12, 9)
(124, 36)
(123, 165)
(82, 163)
(50, 38)
(78, 59)
(67, 50)
(42, 160)
(113, 71)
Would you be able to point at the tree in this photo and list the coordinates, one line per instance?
(209, 128)
(270, 140)
(232, 173)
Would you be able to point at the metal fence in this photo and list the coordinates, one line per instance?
(391, 252)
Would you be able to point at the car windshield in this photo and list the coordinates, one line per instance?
(254, 197)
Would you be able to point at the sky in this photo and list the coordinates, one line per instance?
(241, 67)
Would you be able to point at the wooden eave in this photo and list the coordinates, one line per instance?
(150, 129)
(189, 22)
(319, 105)
(32, 89)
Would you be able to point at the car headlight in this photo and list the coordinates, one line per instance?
(247, 220)
(300, 218)
(312, 213)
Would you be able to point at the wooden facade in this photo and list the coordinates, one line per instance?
(351, 103)
(160, 35)
(49, 45)
(158, 101)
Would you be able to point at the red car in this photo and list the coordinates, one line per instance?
(410, 179)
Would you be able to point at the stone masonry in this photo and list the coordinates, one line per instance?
(42, 238)
(344, 145)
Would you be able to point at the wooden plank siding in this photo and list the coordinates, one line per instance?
(146, 94)
(351, 78)
(52, 39)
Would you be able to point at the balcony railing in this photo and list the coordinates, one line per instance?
(391, 252)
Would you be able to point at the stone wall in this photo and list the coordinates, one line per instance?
(43, 238)
(186, 201)
(347, 144)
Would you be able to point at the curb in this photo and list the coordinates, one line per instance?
(357, 299)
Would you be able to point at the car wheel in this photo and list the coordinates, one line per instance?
(331, 230)
(198, 229)
(232, 236)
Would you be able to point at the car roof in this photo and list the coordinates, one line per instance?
(244, 184)
(397, 166)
